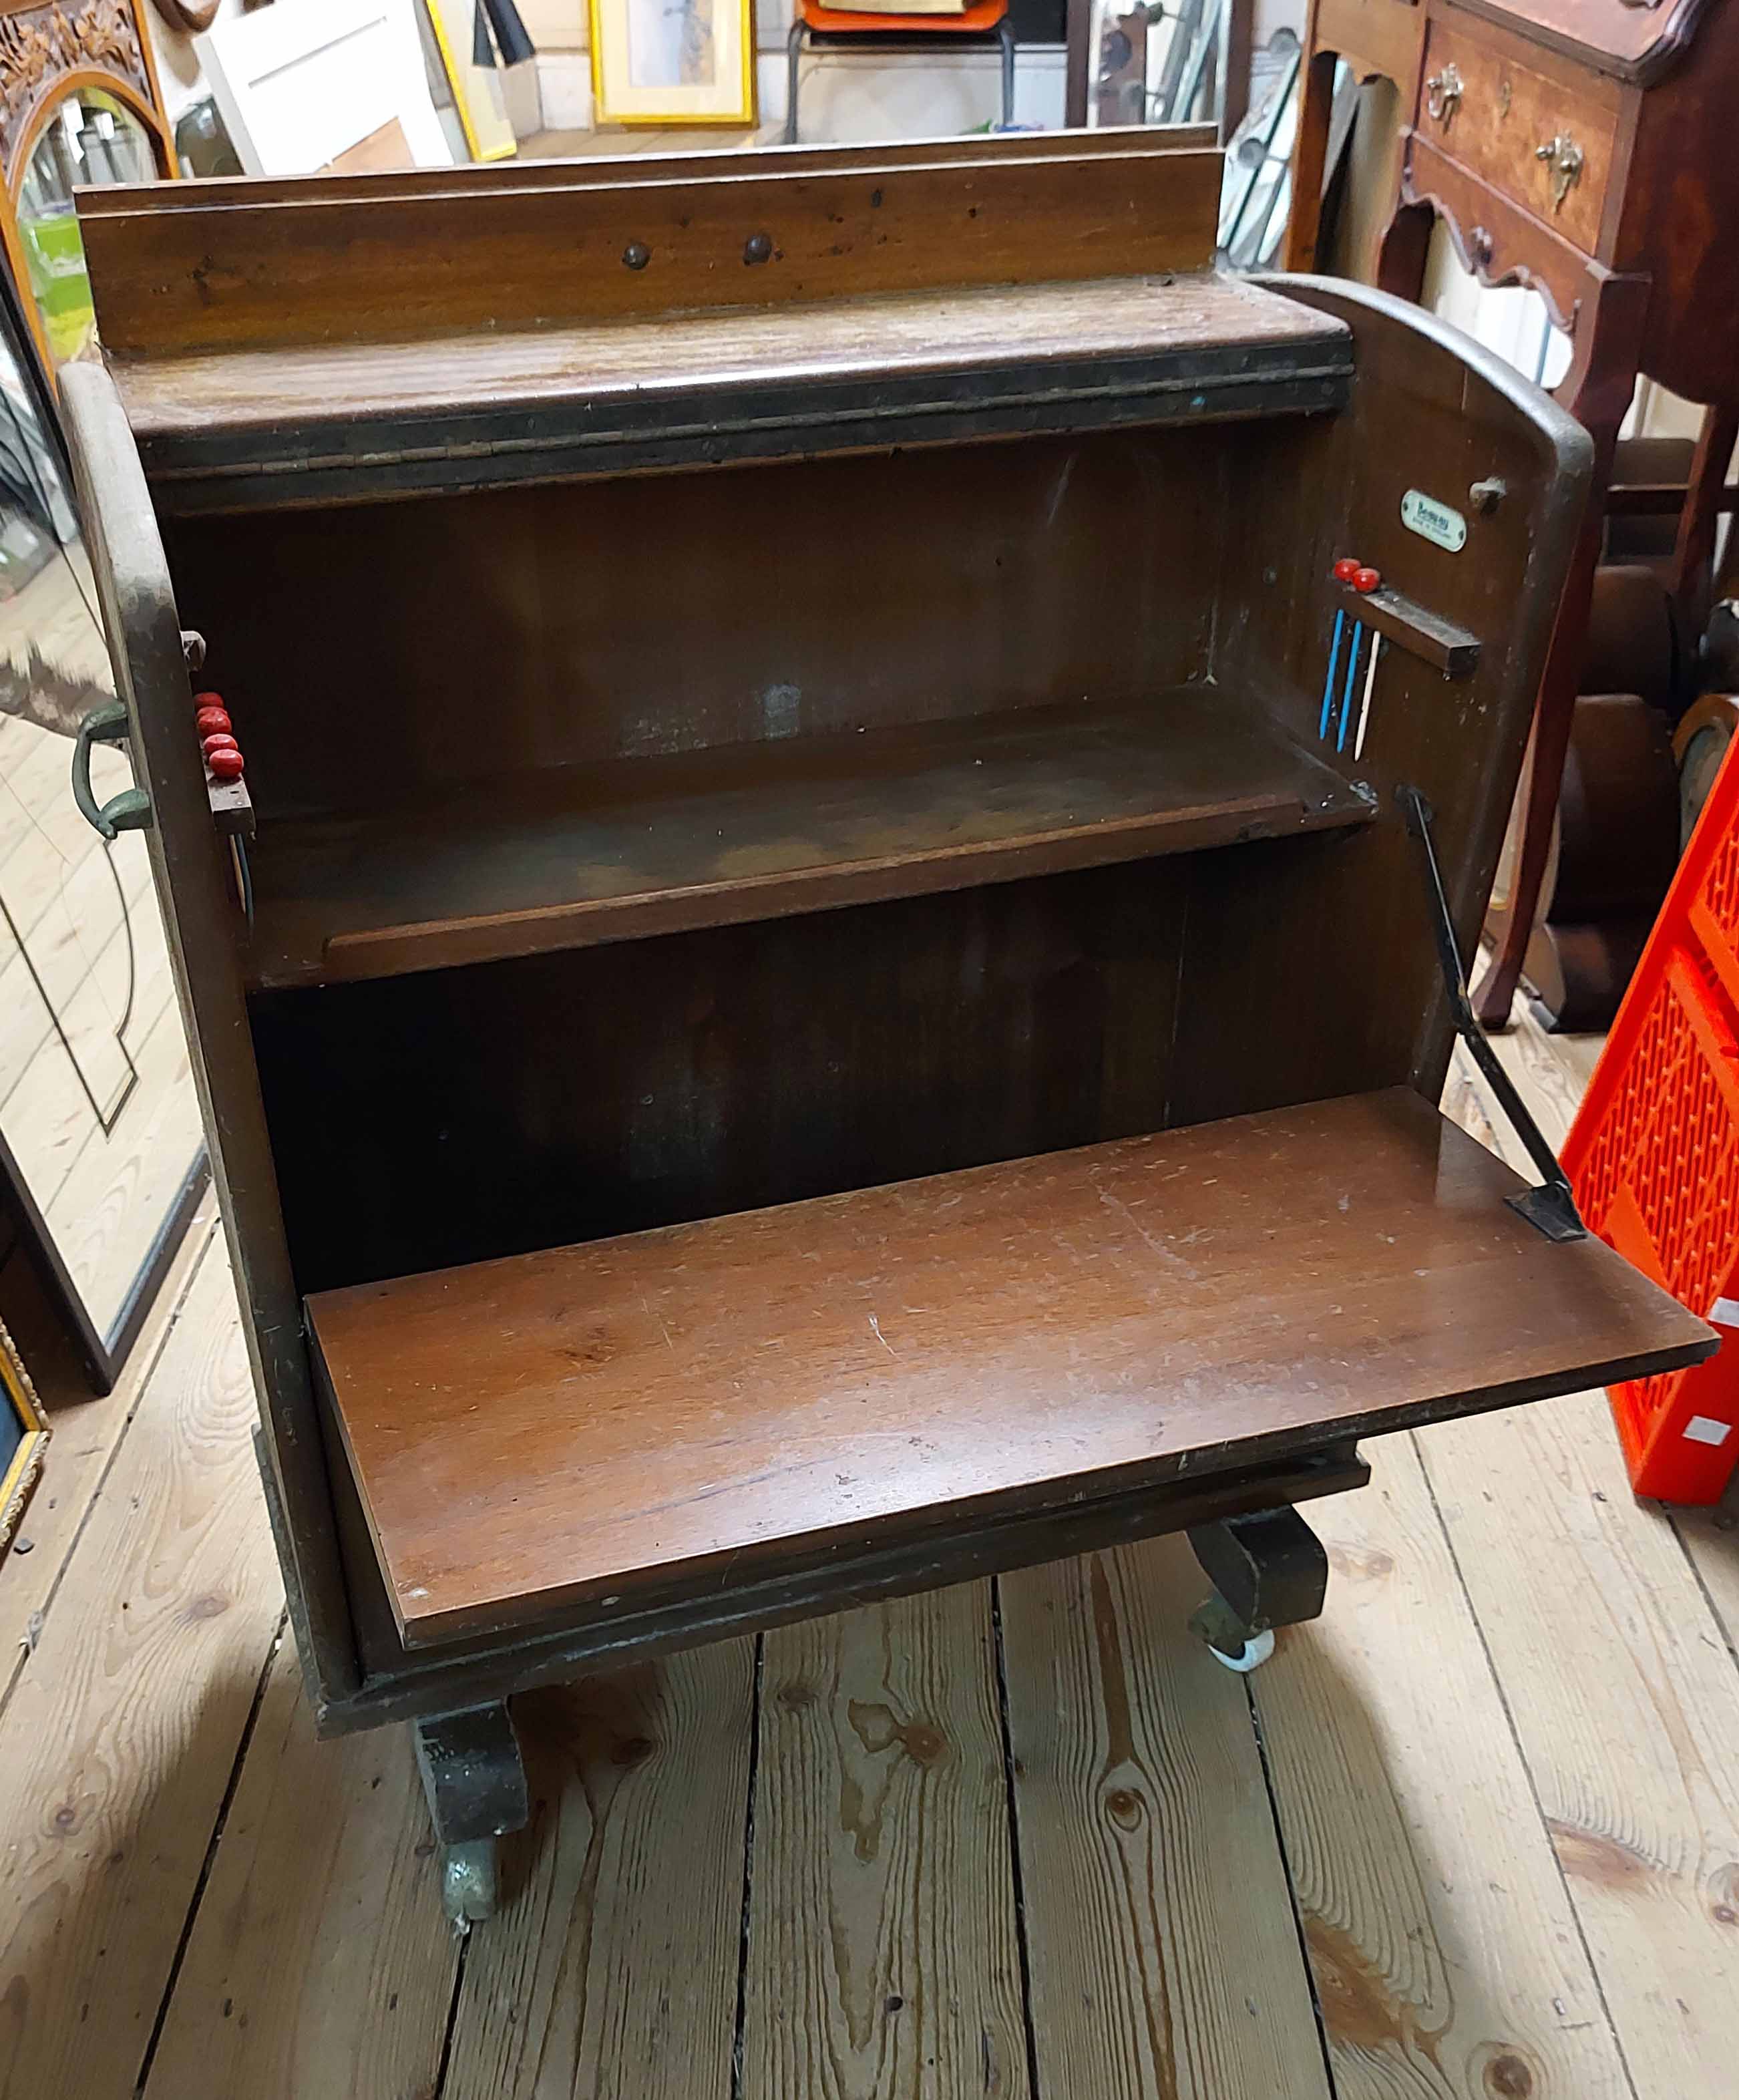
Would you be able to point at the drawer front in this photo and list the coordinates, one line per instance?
(1503, 244)
(1547, 147)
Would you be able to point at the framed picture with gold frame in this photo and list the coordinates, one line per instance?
(22, 1433)
(672, 62)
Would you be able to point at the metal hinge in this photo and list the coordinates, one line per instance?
(1552, 1206)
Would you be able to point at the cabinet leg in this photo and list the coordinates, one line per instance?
(475, 1784)
(1316, 100)
(1403, 251)
(1268, 1570)
(1597, 392)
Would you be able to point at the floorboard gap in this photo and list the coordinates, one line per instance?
(1292, 1893)
(211, 1853)
(452, 2028)
(742, 2011)
(1013, 1841)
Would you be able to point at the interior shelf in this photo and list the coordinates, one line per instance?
(570, 857)
(742, 1396)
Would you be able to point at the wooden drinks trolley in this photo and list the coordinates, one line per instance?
(839, 982)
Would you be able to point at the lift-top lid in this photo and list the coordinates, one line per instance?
(313, 341)
(1636, 40)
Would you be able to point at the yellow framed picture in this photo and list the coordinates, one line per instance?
(673, 61)
(22, 1433)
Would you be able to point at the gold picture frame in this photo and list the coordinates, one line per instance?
(656, 62)
(476, 90)
(24, 1431)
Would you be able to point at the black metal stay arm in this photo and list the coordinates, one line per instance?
(1552, 1206)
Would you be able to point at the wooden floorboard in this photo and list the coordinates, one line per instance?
(1553, 1072)
(1446, 1956)
(1625, 1702)
(319, 1963)
(87, 1429)
(1710, 1539)
(612, 1968)
(120, 1735)
(1163, 1953)
(883, 1955)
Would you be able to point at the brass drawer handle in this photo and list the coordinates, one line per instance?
(1565, 157)
(1443, 91)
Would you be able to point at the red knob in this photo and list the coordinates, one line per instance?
(1345, 569)
(218, 740)
(211, 718)
(1366, 580)
(225, 763)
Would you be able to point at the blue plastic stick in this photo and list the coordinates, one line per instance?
(1329, 683)
(1346, 697)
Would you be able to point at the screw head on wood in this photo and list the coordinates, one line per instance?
(758, 248)
(1485, 496)
(636, 255)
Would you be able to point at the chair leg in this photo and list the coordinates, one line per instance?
(793, 59)
(1693, 550)
(1005, 38)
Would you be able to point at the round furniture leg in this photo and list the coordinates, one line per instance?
(469, 1880)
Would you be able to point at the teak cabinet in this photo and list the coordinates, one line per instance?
(835, 999)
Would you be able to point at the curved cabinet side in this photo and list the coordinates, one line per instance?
(191, 876)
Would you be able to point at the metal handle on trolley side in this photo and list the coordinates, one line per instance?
(128, 811)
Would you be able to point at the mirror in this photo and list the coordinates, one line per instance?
(92, 139)
(100, 1142)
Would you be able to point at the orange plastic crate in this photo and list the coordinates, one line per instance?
(1654, 1155)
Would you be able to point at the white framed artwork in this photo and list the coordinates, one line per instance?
(323, 84)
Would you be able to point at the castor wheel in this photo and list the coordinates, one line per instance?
(468, 1883)
(1251, 1656)
(476, 1787)
(1268, 1569)
(1228, 1639)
